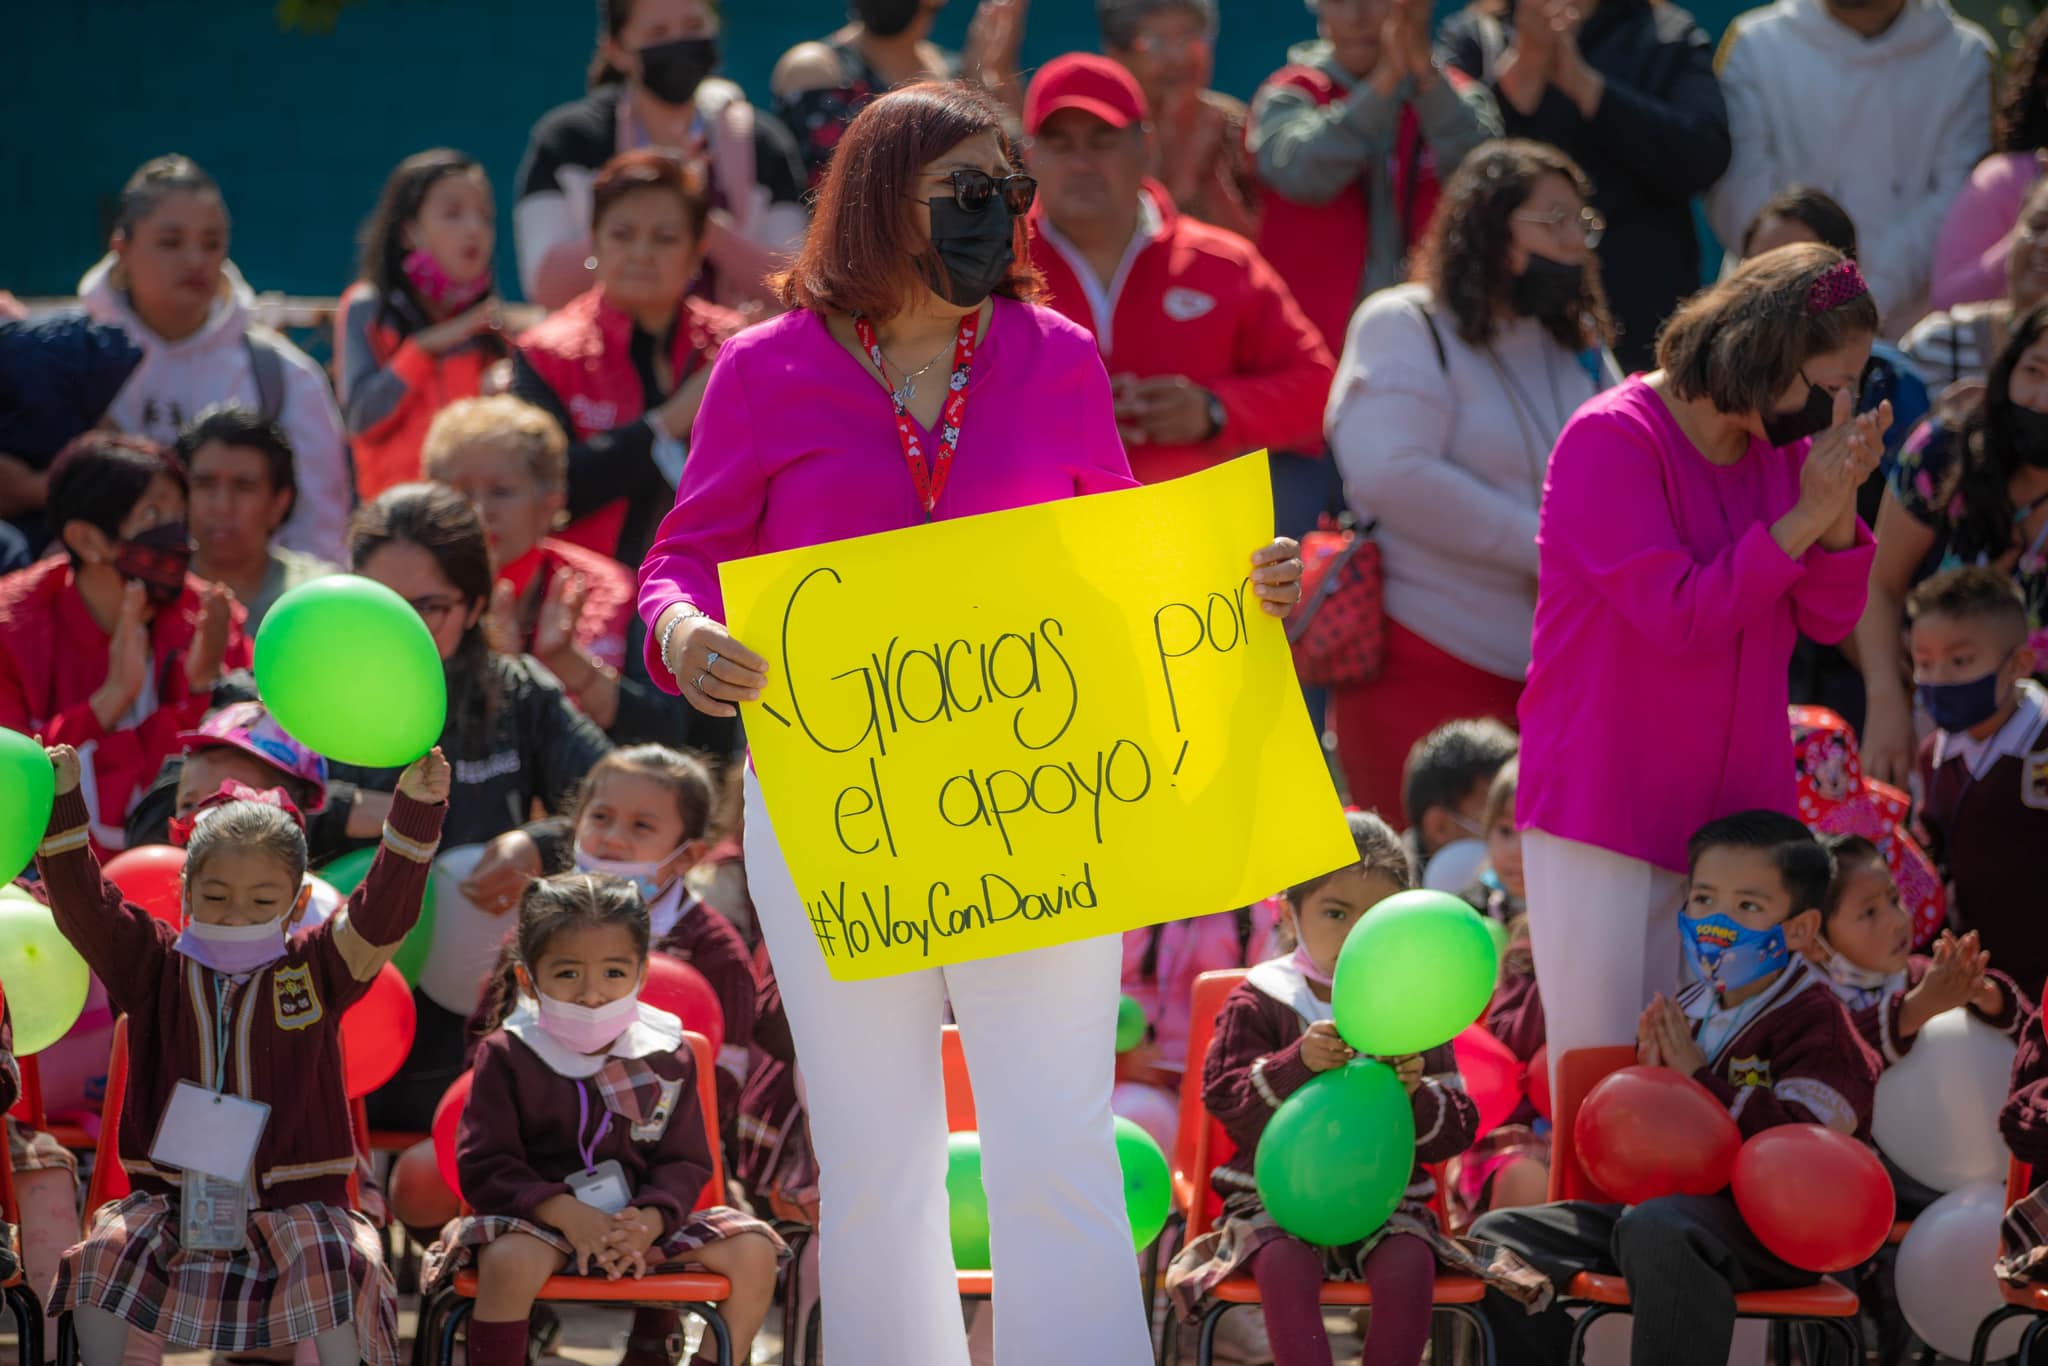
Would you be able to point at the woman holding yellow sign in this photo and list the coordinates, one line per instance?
(912, 339)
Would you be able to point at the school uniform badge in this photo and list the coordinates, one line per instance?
(2034, 781)
(293, 1001)
(1749, 1071)
(655, 1125)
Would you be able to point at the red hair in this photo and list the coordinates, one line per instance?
(864, 252)
(651, 169)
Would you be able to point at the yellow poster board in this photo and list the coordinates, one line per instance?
(1016, 730)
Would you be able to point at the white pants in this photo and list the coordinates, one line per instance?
(1039, 1030)
(1604, 928)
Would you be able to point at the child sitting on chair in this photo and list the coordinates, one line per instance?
(1275, 1034)
(1763, 1032)
(235, 1032)
(582, 1147)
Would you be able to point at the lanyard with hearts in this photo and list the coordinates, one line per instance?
(930, 480)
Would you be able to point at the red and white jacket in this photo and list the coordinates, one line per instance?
(1191, 299)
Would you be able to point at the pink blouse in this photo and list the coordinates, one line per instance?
(796, 444)
(1665, 620)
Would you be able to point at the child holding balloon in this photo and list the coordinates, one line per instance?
(1275, 1034)
(1762, 1032)
(235, 1131)
(582, 1145)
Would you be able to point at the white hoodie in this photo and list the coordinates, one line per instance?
(1890, 126)
(176, 380)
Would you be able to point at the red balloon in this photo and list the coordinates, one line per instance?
(1817, 1198)
(1644, 1132)
(376, 1033)
(681, 990)
(151, 876)
(1493, 1076)
(447, 1119)
(1539, 1080)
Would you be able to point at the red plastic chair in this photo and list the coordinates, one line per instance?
(691, 1292)
(21, 1298)
(1830, 1308)
(109, 1178)
(2020, 1301)
(1457, 1295)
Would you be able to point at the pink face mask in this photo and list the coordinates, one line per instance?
(232, 949)
(586, 1029)
(1308, 967)
(433, 284)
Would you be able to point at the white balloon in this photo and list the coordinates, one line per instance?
(1455, 867)
(323, 902)
(1945, 1281)
(1936, 1114)
(464, 948)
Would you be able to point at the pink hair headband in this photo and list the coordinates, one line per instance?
(1835, 286)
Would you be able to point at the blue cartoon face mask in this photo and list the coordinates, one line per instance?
(1728, 955)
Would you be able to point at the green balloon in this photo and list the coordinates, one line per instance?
(43, 976)
(1336, 1156)
(350, 671)
(1497, 932)
(1413, 974)
(27, 788)
(346, 873)
(967, 1201)
(1148, 1183)
(1130, 1024)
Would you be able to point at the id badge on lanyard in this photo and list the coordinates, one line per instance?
(600, 1185)
(212, 1137)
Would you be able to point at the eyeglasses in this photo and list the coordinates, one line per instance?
(1591, 226)
(434, 610)
(973, 190)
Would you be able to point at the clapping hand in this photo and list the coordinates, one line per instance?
(208, 651)
(1664, 1038)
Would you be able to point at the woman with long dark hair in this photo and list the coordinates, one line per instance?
(1968, 491)
(514, 740)
(918, 251)
(1446, 403)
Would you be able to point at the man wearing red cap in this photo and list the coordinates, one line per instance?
(1207, 351)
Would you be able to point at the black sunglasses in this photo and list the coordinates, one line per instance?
(973, 190)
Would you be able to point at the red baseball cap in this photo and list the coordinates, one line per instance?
(1084, 81)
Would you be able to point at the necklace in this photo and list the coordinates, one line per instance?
(904, 392)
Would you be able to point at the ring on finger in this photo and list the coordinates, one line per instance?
(699, 684)
(711, 661)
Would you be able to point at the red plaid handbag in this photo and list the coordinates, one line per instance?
(1338, 628)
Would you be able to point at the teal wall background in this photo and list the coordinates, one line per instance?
(301, 128)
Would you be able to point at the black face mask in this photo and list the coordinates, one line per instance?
(976, 247)
(1817, 414)
(1547, 288)
(672, 71)
(887, 18)
(2029, 434)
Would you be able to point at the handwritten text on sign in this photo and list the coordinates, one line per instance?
(1005, 732)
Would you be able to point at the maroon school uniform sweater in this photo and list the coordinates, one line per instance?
(519, 1137)
(285, 1047)
(1797, 1059)
(1989, 837)
(708, 942)
(2024, 1117)
(1255, 1063)
(1877, 1013)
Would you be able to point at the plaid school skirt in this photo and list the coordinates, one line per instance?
(774, 1159)
(2023, 1241)
(1246, 1227)
(456, 1248)
(307, 1268)
(1470, 1174)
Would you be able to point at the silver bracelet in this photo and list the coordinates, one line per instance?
(688, 613)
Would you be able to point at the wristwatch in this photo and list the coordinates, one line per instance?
(1217, 417)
